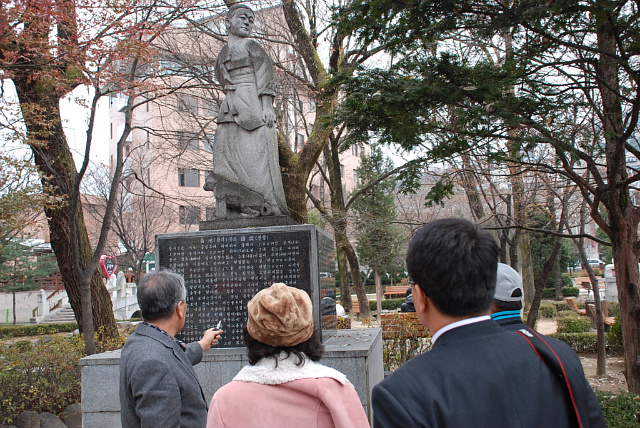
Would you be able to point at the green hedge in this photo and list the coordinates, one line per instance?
(550, 293)
(582, 343)
(547, 310)
(585, 343)
(389, 304)
(620, 410)
(574, 324)
(36, 329)
(570, 291)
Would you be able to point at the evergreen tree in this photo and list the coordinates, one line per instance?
(378, 239)
(525, 79)
(21, 267)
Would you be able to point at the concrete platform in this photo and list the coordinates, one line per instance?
(357, 353)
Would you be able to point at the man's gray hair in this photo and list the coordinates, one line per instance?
(159, 293)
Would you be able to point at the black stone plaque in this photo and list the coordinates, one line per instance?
(224, 269)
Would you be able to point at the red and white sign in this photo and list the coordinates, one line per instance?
(108, 265)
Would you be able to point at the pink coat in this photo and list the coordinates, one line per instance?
(263, 396)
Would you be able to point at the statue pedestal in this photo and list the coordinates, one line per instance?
(357, 353)
(224, 269)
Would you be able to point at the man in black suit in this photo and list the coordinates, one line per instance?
(477, 374)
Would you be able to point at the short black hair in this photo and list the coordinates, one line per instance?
(159, 293)
(454, 262)
(256, 350)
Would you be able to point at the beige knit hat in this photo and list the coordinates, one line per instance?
(280, 316)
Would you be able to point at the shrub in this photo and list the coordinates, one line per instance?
(566, 280)
(403, 343)
(36, 329)
(582, 343)
(388, 304)
(547, 310)
(565, 313)
(614, 338)
(570, 291)
(42, 376)
(561, 306)
(574, 324)
(614, 309)
(550, 293)
(619, 410)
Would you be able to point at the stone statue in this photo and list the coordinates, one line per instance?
(246, 178)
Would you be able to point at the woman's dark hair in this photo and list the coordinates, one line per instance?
(256, 350)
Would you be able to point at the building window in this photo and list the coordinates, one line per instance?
(187, 103)
(354, 150)
(321, 189)
(341, 170)
(189, 214)
(187, 141)
(207, 143)
(209, 108)
(188, 177)
(299, 141)
(355, 177)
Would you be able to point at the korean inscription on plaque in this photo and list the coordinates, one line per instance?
(224, 271)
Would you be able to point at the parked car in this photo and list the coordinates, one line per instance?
(595, 263)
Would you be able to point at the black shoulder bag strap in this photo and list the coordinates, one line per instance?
(553, 361)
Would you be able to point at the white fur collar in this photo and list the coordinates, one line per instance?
(265, 371)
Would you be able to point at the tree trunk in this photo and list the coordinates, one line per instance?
(378, 281)
(55, 163)
(541, 280)
(345, 289)
(354, 267)
(627, 278)
(15, 319)
(528, 282)
(623, 217)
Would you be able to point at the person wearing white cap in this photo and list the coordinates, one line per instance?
(507, 299)
(505, 310)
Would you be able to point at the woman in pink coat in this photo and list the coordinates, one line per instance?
(285, 386)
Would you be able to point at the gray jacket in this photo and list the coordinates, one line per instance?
(158, 386)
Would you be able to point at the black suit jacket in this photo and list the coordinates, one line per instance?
(479, 375)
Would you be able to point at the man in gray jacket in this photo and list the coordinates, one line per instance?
(158, 386)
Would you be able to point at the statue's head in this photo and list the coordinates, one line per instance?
(239, 20)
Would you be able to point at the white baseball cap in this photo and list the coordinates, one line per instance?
(508, 284)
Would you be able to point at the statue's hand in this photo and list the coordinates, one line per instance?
(269, 118)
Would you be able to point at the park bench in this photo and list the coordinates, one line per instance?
(399, 325)
(355, 306)
(571, 302)
(396, 290)
(591, 311)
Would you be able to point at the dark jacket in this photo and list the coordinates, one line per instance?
(407, 305)
(158, 386)
(482, 376)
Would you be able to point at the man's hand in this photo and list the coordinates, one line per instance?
(209, 339)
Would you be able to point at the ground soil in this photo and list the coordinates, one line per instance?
(612, 381)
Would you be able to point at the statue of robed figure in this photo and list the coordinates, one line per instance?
(246, 178)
